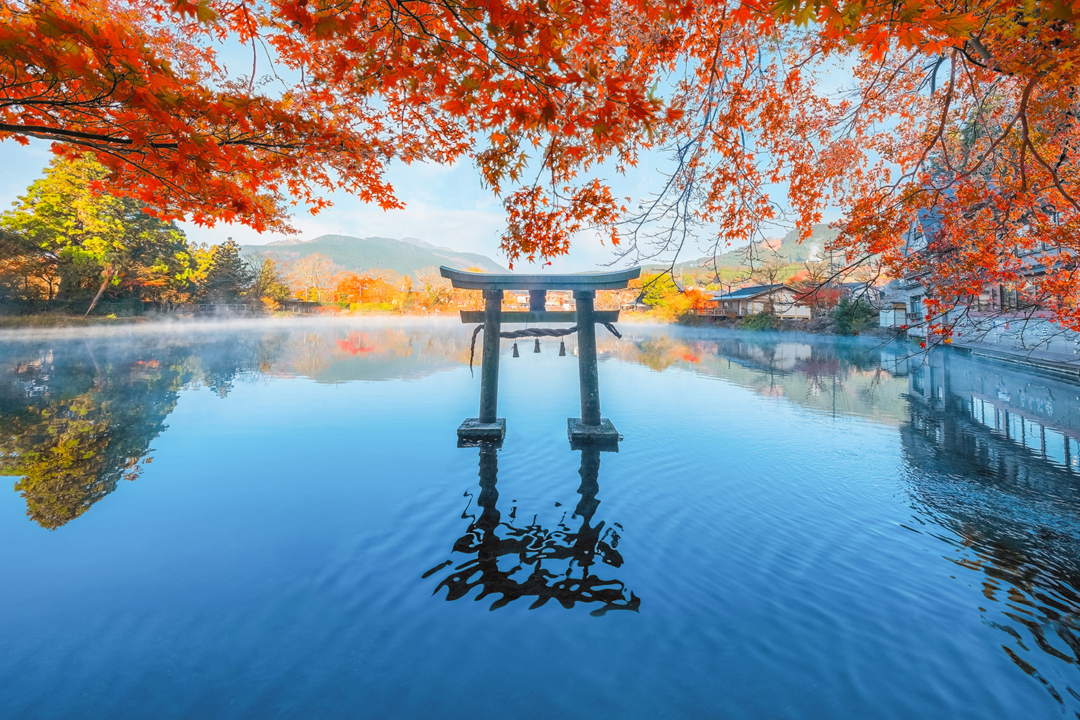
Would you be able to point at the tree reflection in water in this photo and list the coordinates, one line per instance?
(76, 419)
(79, 416)
(537, 549)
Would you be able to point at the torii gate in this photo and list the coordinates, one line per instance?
(590, 427)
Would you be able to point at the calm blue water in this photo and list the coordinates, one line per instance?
(274, 521)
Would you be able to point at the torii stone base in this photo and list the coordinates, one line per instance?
(472, 430)
(603, 434)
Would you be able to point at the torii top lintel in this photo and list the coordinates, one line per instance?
(581, 281)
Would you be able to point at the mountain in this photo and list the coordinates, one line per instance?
(787, 248)
(405, 256)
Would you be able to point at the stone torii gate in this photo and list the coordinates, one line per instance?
(590, 427)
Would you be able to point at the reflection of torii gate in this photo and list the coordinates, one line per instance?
(590, 426)
(540, 552)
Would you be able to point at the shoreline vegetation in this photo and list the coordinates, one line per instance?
(30, 325)
(262, 290)
(44, 318)
(72, 257)
(178, 317)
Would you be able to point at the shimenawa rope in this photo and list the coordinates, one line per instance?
(532, 332)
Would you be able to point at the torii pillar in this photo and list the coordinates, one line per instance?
(590, 427)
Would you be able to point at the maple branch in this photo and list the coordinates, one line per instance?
(981, 50)
(939, 134)
(1053, 175)
(63, 134)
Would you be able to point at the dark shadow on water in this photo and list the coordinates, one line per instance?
(546, 564)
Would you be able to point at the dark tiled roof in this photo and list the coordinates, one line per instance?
(746, 292)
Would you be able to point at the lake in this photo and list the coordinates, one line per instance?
(273, 520)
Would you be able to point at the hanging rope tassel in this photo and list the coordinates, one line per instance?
(562, 349)
(472, 346)
(536, 347)
(516, 350)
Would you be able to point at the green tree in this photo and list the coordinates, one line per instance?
(157, 263)
(268, 282)
(89, 240)
(229, 277)
(851, 318)
(62, 220)
(658, 289)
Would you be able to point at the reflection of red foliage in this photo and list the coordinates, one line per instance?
(354, 344)
(691, 357)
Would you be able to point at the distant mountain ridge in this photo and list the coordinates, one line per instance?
(787, 248)
(405, 256)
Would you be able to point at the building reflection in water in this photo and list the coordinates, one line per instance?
(993, 453)
(544, 564)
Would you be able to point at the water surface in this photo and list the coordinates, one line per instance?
(274, 520)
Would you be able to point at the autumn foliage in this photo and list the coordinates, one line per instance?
(958, 114)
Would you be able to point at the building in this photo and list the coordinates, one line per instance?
(867, 291)
(1002, 315)
(560, 300)
(781, 300)
(901, 299)
(553, 300)
(901, 306)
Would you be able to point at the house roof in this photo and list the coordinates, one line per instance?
(747, 292)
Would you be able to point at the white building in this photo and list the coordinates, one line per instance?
(781, 300)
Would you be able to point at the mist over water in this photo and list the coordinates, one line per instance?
(272, 519)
